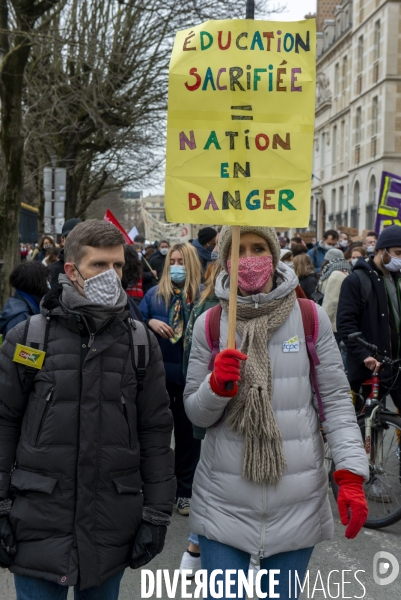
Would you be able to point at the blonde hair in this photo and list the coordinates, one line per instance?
(215, 270)
(193, 269)
(303, 265)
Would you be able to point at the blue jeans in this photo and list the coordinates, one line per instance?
(215, 555)
(30, 588)
(193, 538)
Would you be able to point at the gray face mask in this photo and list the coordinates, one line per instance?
(394, 265)
(214, 256)
(104, 289)
(354, 261)
(163, 251)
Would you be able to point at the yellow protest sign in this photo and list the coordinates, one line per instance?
(241, 106)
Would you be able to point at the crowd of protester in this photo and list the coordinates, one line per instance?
(247, 436)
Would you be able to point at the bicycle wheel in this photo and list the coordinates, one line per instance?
(383, 490)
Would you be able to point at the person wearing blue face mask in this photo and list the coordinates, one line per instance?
(166, 309)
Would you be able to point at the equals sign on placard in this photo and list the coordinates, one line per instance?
(242, 117)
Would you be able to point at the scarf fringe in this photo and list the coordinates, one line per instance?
(264, 460)
(250, 412)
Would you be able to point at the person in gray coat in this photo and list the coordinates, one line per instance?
(85, 456)
(261, 486)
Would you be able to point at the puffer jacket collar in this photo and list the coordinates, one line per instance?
(287, 281)
(52, 306)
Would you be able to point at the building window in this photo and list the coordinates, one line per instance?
(377, 41)
(371, 207)
(333, 201)
(355, 202)
(334, 147)
(360, 54)
(341, 199)
(344, 73)
(336, 79)
(322, 154)
(358, 125)
(375, 115)
(355, 207)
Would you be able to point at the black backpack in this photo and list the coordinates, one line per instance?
(36, 335)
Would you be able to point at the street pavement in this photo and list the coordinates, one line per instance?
(337, 554)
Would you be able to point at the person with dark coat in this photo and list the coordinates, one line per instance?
(317, 254)
(306, 274)
(85, 449)
(204, 245)
(57, 268)
(166, 309)
(46, 243)
(29, 279)
(159, 257)
(132, 281)
(370, 303)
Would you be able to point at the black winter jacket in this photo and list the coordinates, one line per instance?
(56, 269)
(372, 318)
(89, 451)
(309, 284)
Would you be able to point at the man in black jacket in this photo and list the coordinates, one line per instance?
(85, 444)
(370, 302)
(57, 268)
(159, 258)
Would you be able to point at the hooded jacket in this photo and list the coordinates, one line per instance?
(317, 255)
(372, 318)
(88, 449)
(17, 309)
(261, 519)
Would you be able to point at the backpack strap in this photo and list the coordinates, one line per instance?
(140, 349)
(36, 335)
(366, 284)
(310, 320)
(212, 326)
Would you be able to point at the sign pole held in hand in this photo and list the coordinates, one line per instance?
(232, 305)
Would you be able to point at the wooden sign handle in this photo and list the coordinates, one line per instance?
(232, 303)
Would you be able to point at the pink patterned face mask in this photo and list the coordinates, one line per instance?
(253, 272)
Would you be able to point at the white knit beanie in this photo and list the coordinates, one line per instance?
(268, 233)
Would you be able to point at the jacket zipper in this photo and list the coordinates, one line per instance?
(262, 534)
(42, 420)
(125, 413)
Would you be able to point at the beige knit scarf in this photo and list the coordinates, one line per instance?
(250, 412)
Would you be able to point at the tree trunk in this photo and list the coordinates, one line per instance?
(12, 146)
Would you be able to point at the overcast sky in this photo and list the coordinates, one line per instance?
(295, 9)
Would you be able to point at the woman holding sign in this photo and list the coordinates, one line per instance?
(166, 309)
(261, 484)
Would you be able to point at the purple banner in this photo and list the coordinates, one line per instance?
(389, 208)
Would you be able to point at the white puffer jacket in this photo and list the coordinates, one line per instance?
(262, 519)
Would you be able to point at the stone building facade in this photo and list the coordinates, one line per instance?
(358, 112)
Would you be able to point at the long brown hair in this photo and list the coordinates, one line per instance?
(193, 269)
(303, 266)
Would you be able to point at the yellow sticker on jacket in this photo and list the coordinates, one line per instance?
(31, 357)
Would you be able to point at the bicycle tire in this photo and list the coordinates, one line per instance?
(374, 520)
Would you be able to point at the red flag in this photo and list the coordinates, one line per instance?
(111, 219)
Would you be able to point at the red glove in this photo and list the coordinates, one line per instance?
(351, 497)
(226, 368)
